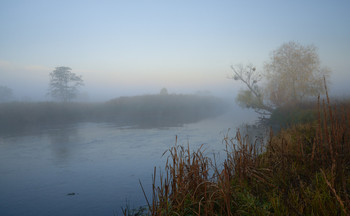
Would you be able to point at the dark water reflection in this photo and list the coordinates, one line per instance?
(100, 163)
(62, 141)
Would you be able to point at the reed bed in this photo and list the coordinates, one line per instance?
(303, 170)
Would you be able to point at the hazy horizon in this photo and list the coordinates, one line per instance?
(134, 48)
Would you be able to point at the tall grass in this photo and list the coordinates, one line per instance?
(303, 170)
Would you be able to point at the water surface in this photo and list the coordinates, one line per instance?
(93, 168)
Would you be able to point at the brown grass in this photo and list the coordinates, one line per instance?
(304, 170)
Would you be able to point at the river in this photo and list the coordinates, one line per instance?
(95, 168)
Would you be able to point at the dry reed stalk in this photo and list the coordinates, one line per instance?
(313, 150)
(187, 188)
(334, 191)
(338, 130)
(348, 130)
(319, 136)
(337, 133)
(330, 142)
(225, 188)
(301, 149)
(331, 133)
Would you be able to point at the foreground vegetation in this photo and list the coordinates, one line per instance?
(303, 170)
(141, 111)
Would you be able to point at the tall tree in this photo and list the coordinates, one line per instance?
(64, 84)
(292, 75)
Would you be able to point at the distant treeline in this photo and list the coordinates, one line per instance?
(140, 111)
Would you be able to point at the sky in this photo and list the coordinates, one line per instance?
(138, 47)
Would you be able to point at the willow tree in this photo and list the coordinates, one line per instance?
(64, 84)
(292, 75)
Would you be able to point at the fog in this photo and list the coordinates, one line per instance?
(34, 86)
(134, 49)
(154, 73)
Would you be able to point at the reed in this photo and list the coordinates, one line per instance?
(303, 170)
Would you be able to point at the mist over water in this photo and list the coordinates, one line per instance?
(86, 156)
(100, 163)
(137, 77)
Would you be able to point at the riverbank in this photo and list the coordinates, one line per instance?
(302, 170)
(146, 111)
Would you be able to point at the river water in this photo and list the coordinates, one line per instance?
(95, 168)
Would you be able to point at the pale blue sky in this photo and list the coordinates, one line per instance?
(135, 47)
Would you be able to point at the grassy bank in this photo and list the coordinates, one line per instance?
(303, 170)
(143, 111)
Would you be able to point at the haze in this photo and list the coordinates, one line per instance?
(138, 47)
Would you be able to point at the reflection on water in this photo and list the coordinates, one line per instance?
(62, 141)
(100, 164)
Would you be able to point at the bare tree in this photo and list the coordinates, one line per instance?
(64, 84)
(253, 97)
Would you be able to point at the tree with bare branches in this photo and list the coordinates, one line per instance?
(253, 96)
(293, 75)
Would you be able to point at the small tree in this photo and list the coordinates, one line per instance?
(163, 91)
(5, 94)
(64, 84)
(253, 97)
